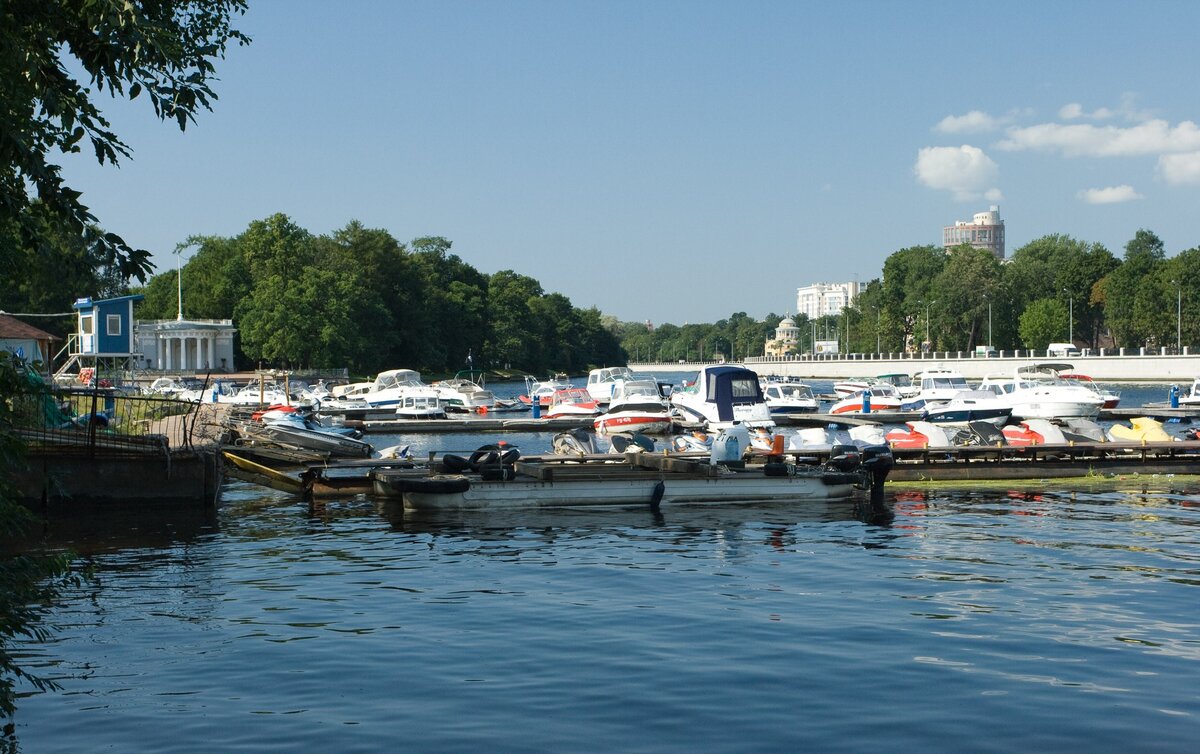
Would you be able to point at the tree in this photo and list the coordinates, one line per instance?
(1120, 290)
(1043, 322)
(908, 289)
(969, 280)
(164, 48)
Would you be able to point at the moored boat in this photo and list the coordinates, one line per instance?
(637, 405)
(722, 396)
(640, 478)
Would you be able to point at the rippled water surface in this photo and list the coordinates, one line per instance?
(972, 620)
(986, 619)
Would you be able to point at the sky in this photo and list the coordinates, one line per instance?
(678, 161)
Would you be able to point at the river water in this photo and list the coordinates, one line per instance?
(989, 619)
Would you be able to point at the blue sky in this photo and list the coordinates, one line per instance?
(679, 161)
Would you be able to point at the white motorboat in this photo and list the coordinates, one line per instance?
(388, 389)
(256, 394)
(1039, 393)
(723, 395)
(902, 382)
(878, 397)
(602, 383)
(934, 386)
(420, 403)
(637, 405)
(1111, 398)
(970, 406)
(542, 391)
(464, 393)
(788, 398)
(1192, 397)
(571, 402)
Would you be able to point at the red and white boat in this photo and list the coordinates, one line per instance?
(636, 405)
(543, 391)
(1111, 398)
(571, 402)
(877, 397)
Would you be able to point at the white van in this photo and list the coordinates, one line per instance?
(1062, 349)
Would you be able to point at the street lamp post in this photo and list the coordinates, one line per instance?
(1178, 316)
(928, 304)
(1070, 317)
(878, 349)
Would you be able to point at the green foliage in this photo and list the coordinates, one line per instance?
(1043, 322)
(28, 583)
(61, 267)
(162, 48)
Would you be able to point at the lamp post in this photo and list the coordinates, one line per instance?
(928, 304)
(1070, 316)
(877, 341)
(1178, 316)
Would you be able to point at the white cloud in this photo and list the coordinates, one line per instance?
(965, 171)
(1084, 140)
(1180, 168)
(975, 121)
(1074, 111)
(1110, 195)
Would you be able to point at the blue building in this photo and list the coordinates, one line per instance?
(103, 341)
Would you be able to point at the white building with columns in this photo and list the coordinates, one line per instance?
(821, 299)
(186, 345)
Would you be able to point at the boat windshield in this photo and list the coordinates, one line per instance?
(938, 383)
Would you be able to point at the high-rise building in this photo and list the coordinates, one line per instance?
(820, 299)
(984, 231)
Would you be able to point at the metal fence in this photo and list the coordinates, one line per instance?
(102, 422)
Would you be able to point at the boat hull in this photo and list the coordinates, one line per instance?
(741, 487)
(646, 423)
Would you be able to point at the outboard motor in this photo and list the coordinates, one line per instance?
(844, 457)
(877, 463)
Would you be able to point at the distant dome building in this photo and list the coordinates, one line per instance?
(787, 337)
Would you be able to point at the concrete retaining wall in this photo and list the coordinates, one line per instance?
(1129, 368)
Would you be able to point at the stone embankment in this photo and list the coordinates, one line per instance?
(1107, 368)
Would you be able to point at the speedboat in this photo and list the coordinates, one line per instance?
(902, 382)
(970, 406)
(571, 402)
(1039, 393)
(420, 403)
(388, 389)
(723, 395)
(879, 397)
(788, 398)
(464, 393)
(936, 386)
(1111, 397)
(636, 405)
(542, 391)
(602, 383)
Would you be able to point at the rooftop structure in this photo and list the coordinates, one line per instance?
(821, 299)
(984, 231)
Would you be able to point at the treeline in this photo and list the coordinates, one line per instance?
(358, 298)
(1053, 289)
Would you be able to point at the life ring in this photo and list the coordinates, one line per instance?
(484, 456)
(454, 463)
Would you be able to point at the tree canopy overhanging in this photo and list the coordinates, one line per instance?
(162, 49)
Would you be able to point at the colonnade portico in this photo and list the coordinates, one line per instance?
(186, 351)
